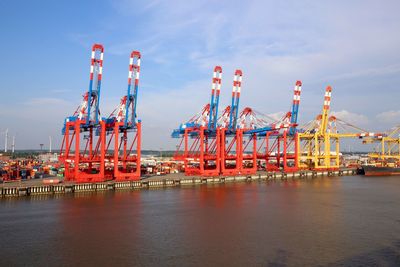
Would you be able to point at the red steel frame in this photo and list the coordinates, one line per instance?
(125, 164)
(280, 149)
(228, 155)
(239, 157)
(87, 165)
(246, 158)
(214, 155)
(201, 153)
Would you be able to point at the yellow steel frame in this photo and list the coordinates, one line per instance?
(389, 146)
(316, 151)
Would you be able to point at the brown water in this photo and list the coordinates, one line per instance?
(347, 221)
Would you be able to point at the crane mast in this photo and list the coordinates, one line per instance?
(234, 111)
(133, 75)
(214, 103)
(325, 110)
(295, 107)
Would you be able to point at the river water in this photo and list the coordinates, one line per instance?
(345, 221)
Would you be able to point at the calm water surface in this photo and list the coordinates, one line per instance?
(346, 221)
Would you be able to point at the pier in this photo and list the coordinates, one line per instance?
(36, 187)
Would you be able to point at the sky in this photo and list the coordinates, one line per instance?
(45, 50)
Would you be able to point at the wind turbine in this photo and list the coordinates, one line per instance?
(6, 140)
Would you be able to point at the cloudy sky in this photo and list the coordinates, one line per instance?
(45, 50)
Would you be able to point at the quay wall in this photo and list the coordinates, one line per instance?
(20, 190)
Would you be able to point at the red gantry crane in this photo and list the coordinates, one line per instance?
(235, 157)
(82, 152)
(124, 129)
(200, 136)
(281, 142)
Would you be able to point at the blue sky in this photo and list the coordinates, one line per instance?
(45, 50)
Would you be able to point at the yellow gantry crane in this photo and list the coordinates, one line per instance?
(387, 153)
(318, 137)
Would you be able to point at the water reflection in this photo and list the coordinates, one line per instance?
(327, 221)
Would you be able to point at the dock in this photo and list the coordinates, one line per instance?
(36, 187)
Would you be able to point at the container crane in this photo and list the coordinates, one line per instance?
(387, 152)
(278, 146)
(124, 130)
(248, 120)
(86, 165)
(234, 158)
(200, 136)
(318, 136)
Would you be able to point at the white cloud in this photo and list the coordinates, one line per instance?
(352, 118)
(45, 101)
(392, 116)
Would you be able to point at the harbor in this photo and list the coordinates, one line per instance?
(200, 133)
